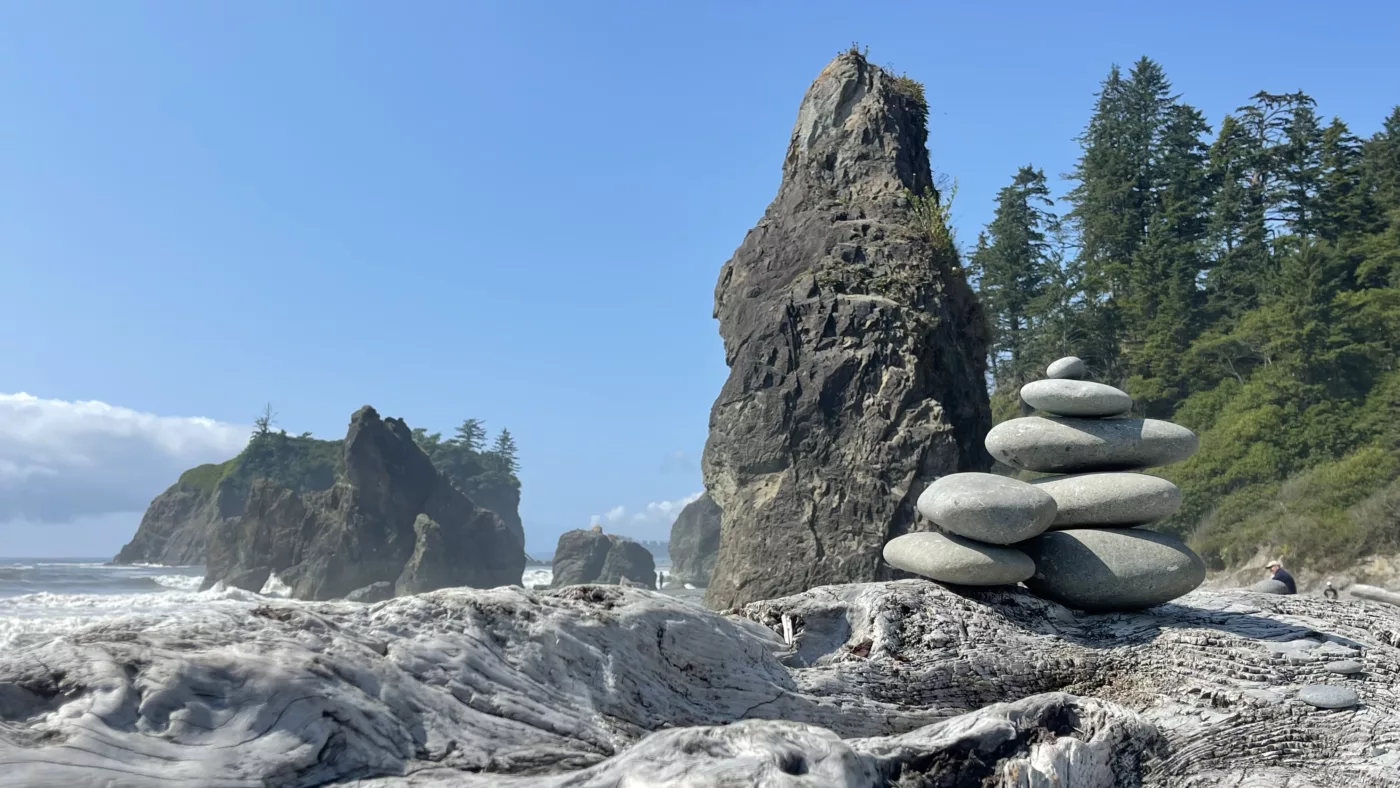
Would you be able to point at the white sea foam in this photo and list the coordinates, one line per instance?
(274, 587)
(537, 577)
(179, 582)
(33, 618)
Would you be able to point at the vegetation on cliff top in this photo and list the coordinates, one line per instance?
(1245, 285)
(303, 463)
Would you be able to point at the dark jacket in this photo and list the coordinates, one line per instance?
(1282, 576)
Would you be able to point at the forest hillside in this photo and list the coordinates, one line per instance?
(1240, 277)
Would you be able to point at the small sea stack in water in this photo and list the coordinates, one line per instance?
(1077, 530)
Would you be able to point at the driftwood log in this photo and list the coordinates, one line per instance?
(903, 684)
(1373, 594)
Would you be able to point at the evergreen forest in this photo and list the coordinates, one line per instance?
(1240, 278)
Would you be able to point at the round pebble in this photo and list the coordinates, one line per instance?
(1070, 445)
(1067, 368)
(1076, 398)
(1269, 587)
(953, 559)
(987, 507)
(1106, 569)
(1346, 667)
(1325, 696)
(1115, 499)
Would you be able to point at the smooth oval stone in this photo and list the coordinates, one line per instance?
(1067, 368)
(1346, 667)
(1269, 586)
(987, 507)
(1102, 569)
(1325, 696)
(1110, 498)
(1068, 445)
(1076, 398)
(953, 559)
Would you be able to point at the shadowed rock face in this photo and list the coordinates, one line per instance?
(391, 518)
(856, 351)
(595, 557)
(694, 544)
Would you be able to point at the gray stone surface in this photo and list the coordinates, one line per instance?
(952, 559)
(1067, 368)
(1076, 398)
(856, 351)
(1070, 445)
(1109, 499)
(1100, 569)
(591, 556)
(1325, 696)
(1345, 667)
(1269, 586)
(987, 507)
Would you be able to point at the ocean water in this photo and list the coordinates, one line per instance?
(44, 598)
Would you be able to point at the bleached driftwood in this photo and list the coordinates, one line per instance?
(1373, 594)
(584, 686)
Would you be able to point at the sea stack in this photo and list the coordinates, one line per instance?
(856, 350)
(1079, 530)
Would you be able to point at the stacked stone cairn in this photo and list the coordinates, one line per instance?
(1075, 538)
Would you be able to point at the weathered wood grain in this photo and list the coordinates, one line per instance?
(885, 684)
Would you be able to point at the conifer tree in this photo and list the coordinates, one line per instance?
(1238, 232)
(1011, 265)
(1382, 163)
(504, 450)
(471, 434)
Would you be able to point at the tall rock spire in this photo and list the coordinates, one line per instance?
(857, 351)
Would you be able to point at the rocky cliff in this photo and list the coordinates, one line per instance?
(694, 544)
(390, 517)
(856, 349)
(176, 526)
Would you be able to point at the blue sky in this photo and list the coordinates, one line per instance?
(514, 211)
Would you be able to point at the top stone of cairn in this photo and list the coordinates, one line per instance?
(1067, 368)
(1076, 398)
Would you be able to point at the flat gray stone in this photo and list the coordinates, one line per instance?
(953, 559)
(1070, 445)
(1325, 696)
(1100, 499)
(1076, 398)
(1346, 667)
(1067, 368)
(987, 507)
(1270, 586)
(1103, 569)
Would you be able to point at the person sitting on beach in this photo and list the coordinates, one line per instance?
(1277, 572)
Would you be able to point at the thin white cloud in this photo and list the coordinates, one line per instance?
(60, 460)
(664, 511)
(649, 519)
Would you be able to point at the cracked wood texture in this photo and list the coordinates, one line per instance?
(904, 683)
